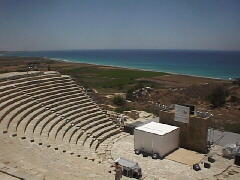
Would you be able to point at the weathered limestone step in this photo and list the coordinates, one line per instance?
(104, 130)
(43, 123)
(46, 101)
(57, 92)
(7, 90)
(11, 107)
(68, 112)
(41, 79)
(66, 101)
(11, 101)
(43, 82)
(16, 112)
(85, 114)
(18, 101)
(69, 106)
(11, 78)
(105, 136)
(78, 123)
(84, 152)
(27, 121)
(31, 128)
(36, 91)
(33, 116)
(9, 94)
(97, 127)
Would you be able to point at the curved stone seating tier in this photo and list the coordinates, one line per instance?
(91, 123)
(86, 117)
(54, 126)
(89, 135)
(43, 102)
(21, 108)
(97, 126)
(95, 144)
(11, 101)
(25, 96)
(25, 99)
(30, 80)
(51, 123)
(64, 104)
(22, 78)
(11, 106)
(64, 99)
(83, 116)
(51, 90)
(72, 105)
(103, 132)
(7, 88)
(74, 109)
(51, 109)
(18, 92)
(33, 91)
(26, 106)
(44, 82)
(8, 94)
(42, 79)
(74, 116)
(80, 137)
(106, 146)
(87, 128)
(48, 121)
(30, 127)
(33, 121)
(41, 88)
(70, 130)
(45, 121)
(16, 119)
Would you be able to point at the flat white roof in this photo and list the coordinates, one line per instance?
(157, 128)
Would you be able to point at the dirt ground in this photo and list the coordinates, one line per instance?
(21, 158)
(156, 169)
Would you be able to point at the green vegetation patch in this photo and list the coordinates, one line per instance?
(111, 79)
(218, 96)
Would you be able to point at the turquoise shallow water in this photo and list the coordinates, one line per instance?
(215, 64)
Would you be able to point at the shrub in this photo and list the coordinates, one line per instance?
(121, 109)
(218, 97)
(129, 95)
(234, 99)
(119, 100)
(236, 81)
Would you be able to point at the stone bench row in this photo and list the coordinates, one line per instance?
(12, 104)
(21, 79)
(30, 85)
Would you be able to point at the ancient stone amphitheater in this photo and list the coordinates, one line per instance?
(50, 110)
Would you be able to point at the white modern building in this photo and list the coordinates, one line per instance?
(156, 138)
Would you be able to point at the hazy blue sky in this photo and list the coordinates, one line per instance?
(119, 24)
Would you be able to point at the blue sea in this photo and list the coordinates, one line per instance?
(215, 64)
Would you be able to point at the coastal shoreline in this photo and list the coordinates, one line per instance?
(129, 68)
(122, 67)
(109, 80)
(205, 64)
